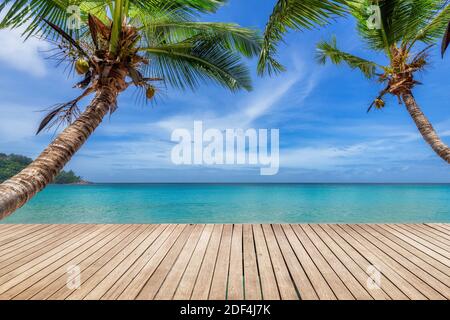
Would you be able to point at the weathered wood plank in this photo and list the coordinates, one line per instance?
(306, 261)
(187, 282)
(220, 277)
(269, 285)
(203, 283)
(286, 286)
(252, 287)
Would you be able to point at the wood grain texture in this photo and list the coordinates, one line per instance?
(232, 261)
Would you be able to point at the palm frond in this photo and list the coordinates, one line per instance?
(243, 40)
(295, 15)
(445, 40)
(203, 60)
(182, 52)
(435, 26)
(328, 50)
(30, 13)
(399, 20)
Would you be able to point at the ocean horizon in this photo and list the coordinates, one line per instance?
(238, 203)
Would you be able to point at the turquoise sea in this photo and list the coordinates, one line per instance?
(237, 203)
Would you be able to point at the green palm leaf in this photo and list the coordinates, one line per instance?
(296, 15)
(329, 51)
(232, 36)
(182, 52)
(197, 61)
(401, 21)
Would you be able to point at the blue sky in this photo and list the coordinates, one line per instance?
(325, 133)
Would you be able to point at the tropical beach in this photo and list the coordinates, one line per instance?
(193, 150)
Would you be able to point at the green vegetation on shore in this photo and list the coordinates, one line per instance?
(13, 164)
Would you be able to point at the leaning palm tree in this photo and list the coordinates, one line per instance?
(295, 15)
(113, 45)
(404, 31)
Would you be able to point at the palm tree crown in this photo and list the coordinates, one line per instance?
(404, 31)
(149, 41)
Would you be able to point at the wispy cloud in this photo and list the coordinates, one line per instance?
(259, 103)
(23, 56)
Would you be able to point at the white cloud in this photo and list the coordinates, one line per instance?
(20, 55)
(257, 104)
(18, 123)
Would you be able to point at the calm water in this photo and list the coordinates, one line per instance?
(239, 203)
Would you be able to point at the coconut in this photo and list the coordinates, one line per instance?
(379, 103)
(150, 93)
(81, 66)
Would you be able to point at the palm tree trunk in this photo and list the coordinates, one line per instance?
(425, 128)
(16, 191)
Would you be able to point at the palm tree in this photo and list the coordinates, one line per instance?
(117, 44)
(294, 15)
(407, 31)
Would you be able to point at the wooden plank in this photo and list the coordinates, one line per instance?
(422, 289)
(64, 292)
(387, 270)
(421, 240)
(319, 283)
(361, 260)
(269, 285)
(113, 260)
(436, 229)
(252, 286)
(45, 276)
(415, 256)
(442, 225)
(27, 258)
(6, 228)
(284, 281)
(14, 259)
(23, 232)
(351, 282)
(7, 233)
(220, 278)
(122, 283)
(186, 285)
(103, 286)
(168, 281)
(413, 250)
(203, 283)
(25, 271)
(339, 288)
(236, 273)
(152, 286)
(418, 244)
(428, 284)
(299, 277)
(56, 283)
(11, 230)
(138, 282)
(314, 261)
(358, 270)
(427, 236)
(19, 244)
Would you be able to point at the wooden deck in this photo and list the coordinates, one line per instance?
(307, 261)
